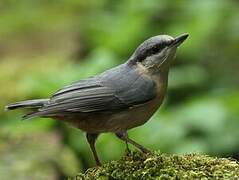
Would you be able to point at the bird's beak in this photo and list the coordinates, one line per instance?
(179, 40)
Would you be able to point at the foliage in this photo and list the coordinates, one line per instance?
(45, 45)
(23, 158)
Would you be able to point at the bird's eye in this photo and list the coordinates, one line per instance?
(155, 49)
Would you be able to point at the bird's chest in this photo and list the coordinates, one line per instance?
(139, 114)
(127, 118)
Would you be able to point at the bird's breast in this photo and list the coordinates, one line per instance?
(115, 121)
(140, 114)
(125, 119)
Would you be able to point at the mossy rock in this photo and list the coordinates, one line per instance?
(164, 166)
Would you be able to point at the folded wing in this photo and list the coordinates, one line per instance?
(116, 89)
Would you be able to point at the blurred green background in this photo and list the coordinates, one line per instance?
(45, 45)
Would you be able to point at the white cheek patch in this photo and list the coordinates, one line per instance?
(155, 60)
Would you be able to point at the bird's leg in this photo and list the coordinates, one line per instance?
(91, 138)
(127, 148)
(124, 136)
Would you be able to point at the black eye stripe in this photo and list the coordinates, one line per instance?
(149, 50)
(155, 49)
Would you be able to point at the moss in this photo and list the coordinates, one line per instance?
(164, 166)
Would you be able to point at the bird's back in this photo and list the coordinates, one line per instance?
(116, 89)
(139, 96)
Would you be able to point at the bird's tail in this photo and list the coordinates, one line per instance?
(34, 105)
(31, 104)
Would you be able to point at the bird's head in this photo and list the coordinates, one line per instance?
(157, 52)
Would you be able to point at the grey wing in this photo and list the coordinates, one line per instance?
(84, 96)
(116, 89)
(130, 86)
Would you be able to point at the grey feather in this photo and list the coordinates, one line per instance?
(32, 104)
(115, 89)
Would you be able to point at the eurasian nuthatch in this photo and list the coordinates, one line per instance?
(116, 100)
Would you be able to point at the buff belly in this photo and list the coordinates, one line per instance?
(115, 121)
(121, 120)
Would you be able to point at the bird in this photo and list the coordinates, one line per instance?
(116, 100)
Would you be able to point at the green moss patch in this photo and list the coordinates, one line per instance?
(164, 166)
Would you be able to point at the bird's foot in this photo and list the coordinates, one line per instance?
(128, 152)
(98, 164)
(145, 150)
